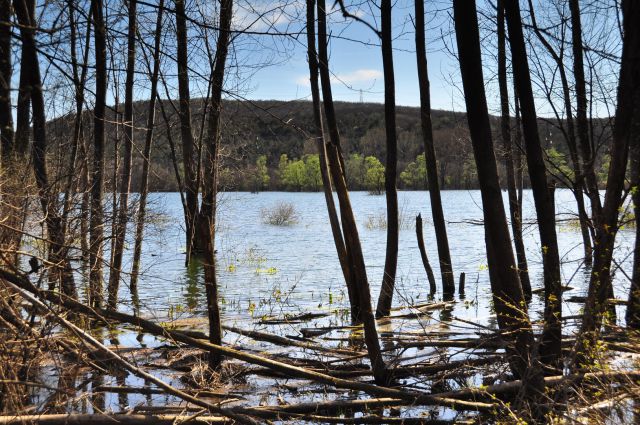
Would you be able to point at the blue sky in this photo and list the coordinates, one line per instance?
(357, 67)
(356, 60)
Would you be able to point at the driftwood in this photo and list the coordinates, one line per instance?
(276, 339)
(90, 340)
(466, 399)
(22, 285)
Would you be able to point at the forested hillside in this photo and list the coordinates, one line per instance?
(266, 145)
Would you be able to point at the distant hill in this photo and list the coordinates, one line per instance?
(273, 128)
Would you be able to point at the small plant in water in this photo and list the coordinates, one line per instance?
(280, 214)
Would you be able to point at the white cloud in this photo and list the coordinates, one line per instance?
(359, 76)
(349, 78)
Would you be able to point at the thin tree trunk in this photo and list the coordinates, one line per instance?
(570, 137)
(633, 306)
(444, 255)
(11, 196)
(626, 110)
(48, 200)
(322, 151)
(23, 106)
(96, 231)
(582, 123)
(505, 127)
(188, 144)
(507, 292)
(550, 349)
(6, 115)
(125, 180)
(211, 179)
(352, 240)
(73, 179)
(146, 159)
(390, 172)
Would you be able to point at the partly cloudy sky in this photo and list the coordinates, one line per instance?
(355, 61)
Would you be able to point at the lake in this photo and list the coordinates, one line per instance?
(271, 270)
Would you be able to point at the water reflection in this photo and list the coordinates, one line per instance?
(194, 283)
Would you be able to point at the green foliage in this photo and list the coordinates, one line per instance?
(374, 176)
(356, 171)
(300, 174)
(603, 171)
(259, 175)
(557, 165)
(414, 175)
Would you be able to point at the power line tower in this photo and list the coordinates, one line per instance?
(361, 97)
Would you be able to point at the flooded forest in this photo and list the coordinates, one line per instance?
(239, 211)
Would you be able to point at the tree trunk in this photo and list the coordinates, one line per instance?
(48, 200)
(211, 181)
(125, 179)
(146, 159)
(550, 349)
(509, 301)
(318, 133)
(582, 123)
(505, 127)
(6, 115)
(390, 171)
(625, 120)
(633, 306)
(10, 184)
(352, 240)
(188, 144)
(444, 255)
(23, 106)
(96, 231)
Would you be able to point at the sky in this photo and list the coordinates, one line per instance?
(356, 61)
(355, 55)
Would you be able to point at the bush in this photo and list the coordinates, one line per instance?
(281, 214)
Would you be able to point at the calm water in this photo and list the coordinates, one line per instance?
(269, 270)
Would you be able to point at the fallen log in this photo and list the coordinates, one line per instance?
(110, 419)
(278, 340)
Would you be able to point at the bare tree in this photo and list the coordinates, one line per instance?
(125, 179)
(507, 291)
(352, 240)
(208, 209)
(318, 134)
(606, 230)
(391, 166)
(146, 155)
(582, 124)
(6, 116)
(552, 333)
(191, 171)
(96, 229)
(444, 255)
(576, 182)
(515, 201)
